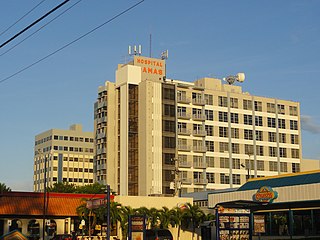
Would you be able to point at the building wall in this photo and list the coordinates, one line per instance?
(310, 164)
(68, 155)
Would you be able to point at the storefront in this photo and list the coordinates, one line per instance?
(281, 207)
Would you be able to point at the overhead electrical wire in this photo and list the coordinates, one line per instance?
(34, 23)
(14, 46)
(72, 42)
(8, 28)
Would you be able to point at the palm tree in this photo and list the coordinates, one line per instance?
(125, 211)
(177, 216)
(165, 216)
(195, 216)
(153, 216)
(4, 188)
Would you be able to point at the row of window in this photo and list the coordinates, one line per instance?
(247, 104)
(64, 138)
(198, 162)
(66, 169)
(73, 149)
(197, 146)
(248, 134)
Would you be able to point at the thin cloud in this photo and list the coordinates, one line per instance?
(308, 124)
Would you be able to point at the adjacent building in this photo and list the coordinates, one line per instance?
(63, 156)
(158, 136)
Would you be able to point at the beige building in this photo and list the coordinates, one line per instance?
(68, 155)
(152, 131)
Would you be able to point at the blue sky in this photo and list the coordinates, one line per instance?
(276, 43)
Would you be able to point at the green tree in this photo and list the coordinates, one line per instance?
(62, 187)
(125, 211)
(95, 188)
(4, 188)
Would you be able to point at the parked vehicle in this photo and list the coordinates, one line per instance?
(158, 234)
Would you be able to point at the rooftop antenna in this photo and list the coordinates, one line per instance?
(165, 54)
(239, 77)
(134, 50)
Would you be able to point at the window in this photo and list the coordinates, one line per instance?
(233, 102)
(295, 167)
(295, 153)
(182, 111)
(259, 135)
(235, 163)
(248, 134)
(247, 119)
(272, 136)
(293, 110)
(182, 95)
(182, 127)
(234, 117)
(273, 166)
(273, 152)
(208, 99)
(210, 161)
(283, 167)
(271, 108)
(260, 165)
(209, 130)
(224, 146)
(210, 146)
(258, 106)
(271, 122)
(236, 179)
(258, 121)
(282, 137)
(223, 117)
(224, 163)
(248, 149)
(283, 152)
(235, 148)
(169, 110)
(222, 101)
(234, 132)
(209, 115)
(247, 104)
(169, 142)
(223, 132)
(293, 125)
(224, 178)
(168, 93)
(210, 177)
(281, 109)
(282, 123)
(169, 158)
(259, 150)
(294, 139)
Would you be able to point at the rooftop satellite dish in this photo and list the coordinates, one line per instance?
(231, 79)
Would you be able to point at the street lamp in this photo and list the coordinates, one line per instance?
(244, 166)
(108, 212)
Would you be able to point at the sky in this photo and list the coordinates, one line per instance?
(275, 43)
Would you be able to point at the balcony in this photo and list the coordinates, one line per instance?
(198, 101)
(102, 119)
(200, 165)
(184, 131)
(102, 104)
(184, 115)
(101, 150)
(183, 99)
(183, 147)
(199, 149)
(101, 135)
(184, 164)
(186, 181)
(199, 133)
(199, 117)
(200, 181)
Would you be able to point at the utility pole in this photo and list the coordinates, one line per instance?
(108, 213)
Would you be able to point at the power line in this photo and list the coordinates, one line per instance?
(22, 17)
(34, 23)
(8, 50)
(70, 43)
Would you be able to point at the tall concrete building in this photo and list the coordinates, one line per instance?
(68, 155)
(151, 131)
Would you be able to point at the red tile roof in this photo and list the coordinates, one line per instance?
(30, 203)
